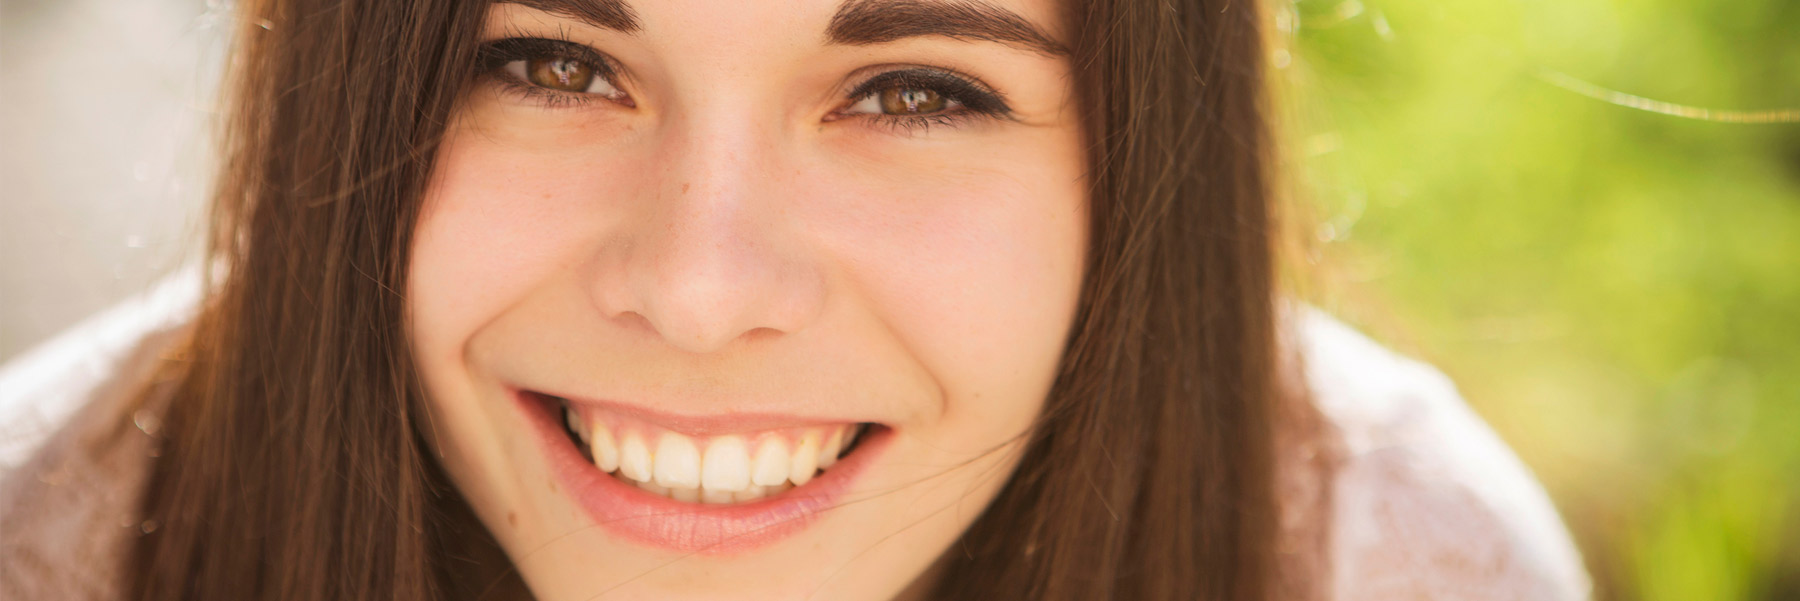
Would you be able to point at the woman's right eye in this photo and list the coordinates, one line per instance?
(554, 71)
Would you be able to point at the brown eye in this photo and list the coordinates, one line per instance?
(911, 101)
(560, 73)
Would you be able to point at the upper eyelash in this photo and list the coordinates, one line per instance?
(496, 54)
(977, 99)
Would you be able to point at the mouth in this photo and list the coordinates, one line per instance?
(698, 485)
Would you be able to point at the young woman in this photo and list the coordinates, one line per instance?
(827, 299)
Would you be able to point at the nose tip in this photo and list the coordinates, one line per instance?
(709, 255)
(705, 308)
(702, 280)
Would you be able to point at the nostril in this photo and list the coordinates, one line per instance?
(635, 321)
(761, 334)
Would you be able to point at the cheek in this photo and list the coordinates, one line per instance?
(502, 215)
(976, 268)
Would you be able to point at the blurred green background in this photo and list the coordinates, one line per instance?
(1617, 291)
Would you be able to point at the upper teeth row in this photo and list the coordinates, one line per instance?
(745, 466)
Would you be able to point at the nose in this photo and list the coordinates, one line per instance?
(709, 256)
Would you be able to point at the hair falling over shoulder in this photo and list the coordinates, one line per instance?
(295, 464)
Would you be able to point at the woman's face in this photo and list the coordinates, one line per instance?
(747, 300)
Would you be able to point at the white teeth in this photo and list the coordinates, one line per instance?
(634, 458)
(654, 489)
(749, 494)
(677, 462)
(727, 465)
(729, 470)
(685, 495)
(772, 461)
(603, 447)
(806, 458)
(828, 452)
(575, 423)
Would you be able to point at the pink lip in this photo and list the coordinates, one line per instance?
(651, 520)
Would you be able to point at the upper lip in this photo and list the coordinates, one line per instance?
(716, 424)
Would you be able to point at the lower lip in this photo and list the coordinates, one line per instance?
(632, 514)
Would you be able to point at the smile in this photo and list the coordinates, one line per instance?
(697, 485)
(732, 468)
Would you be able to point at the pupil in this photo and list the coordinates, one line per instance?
(562, 74)
(911, 101)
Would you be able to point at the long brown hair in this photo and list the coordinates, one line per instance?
(293, 466)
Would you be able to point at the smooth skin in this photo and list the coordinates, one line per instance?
(738, 236)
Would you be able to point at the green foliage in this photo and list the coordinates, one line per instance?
(1616, 290)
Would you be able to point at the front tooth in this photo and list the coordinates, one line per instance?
(772, 462)
(653, 488)
(677, 462)
(634, 458)
(604, 448)
(828, 452)
(685, 495)
(715, 497)
(806, 458)
(749, 494)
(726, 467)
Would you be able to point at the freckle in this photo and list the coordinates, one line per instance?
(512, 518)
(546, 196)
(684, 188)
(552, 486)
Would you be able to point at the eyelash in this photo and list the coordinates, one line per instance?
(973, 100)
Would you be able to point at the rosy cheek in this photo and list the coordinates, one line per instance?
(498, 219)
(977, 274)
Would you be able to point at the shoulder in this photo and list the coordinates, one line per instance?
(1425, 500)
(75, 449)
(44, 387)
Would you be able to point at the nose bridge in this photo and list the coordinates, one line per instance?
(709, 263)
(719, 155)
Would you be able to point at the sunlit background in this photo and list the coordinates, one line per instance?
(1586, 212)
(1527, 194)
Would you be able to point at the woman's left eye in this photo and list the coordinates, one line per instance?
(923, 97)
(900, 101)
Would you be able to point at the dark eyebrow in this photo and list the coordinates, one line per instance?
(864, 22)
(605, 14)
(859, 22)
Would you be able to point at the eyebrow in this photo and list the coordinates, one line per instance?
(864, 22)
(860, 22)
(605, 14)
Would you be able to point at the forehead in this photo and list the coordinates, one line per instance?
(1031, 25)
